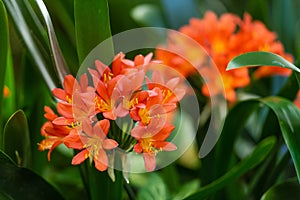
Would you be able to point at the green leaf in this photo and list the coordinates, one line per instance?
(3, 55)
(283, 22)
(289, 190)
(101, 185)
(258, 10)
(16, 141)
(232, 128)
(155, 188)
(256, 157)
(21, 183)
(9, 103)
(4, 159)
(31, 32)
(260, 58)
(59, 61)
(187, 189)
(288, 116)
(91, 26)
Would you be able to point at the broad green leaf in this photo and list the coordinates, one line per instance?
(289, 190)
(62, 15)
(288, 116)
(155, 188)
(31, 32)
(267, 175)
(260, 58)
(283, 22)
(92, 26)
(9, 103)
(16, 140)
(148, 15)
(290, 89)
(3, 55)
(21, 183)
(187, 189)
(63, 11)
(234, 123)
(59, 61)
(256, 157)
(102, 187)
(258, 9)
(171, 178)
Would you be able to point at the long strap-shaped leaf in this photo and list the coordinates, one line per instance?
(287, 113)
(258, 155)
(21, 183)
(288, 116)
(16, 139)
(59, 61)
(17, 11)
(261, 58)
(3, 54)
(92, 26)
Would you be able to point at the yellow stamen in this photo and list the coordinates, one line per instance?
(147, 145)
(107, 76)
(144, 115)
(69, 100)
(166, 94)
(102, 105)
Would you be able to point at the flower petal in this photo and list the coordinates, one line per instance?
(109, 144)
(101, 161)
(138, 132)
(80, 157)
(59, 93)
(69, 84)
(105, 125)
(166, 146)
(138, 148)
(150, 161)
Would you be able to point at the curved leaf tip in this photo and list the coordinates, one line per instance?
(260, 58)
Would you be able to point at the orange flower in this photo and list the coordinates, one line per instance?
(223, 38)
(151, 107)
(54, 134)
(115, 87)
(70, 85)
(85, 112)
(172, 90)
(262, 40)
(6, 92)
(151, 140)
(95, 143)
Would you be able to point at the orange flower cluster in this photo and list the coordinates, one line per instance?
(225, 38)
(88, 113)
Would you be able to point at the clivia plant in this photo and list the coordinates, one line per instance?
(149, 100)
